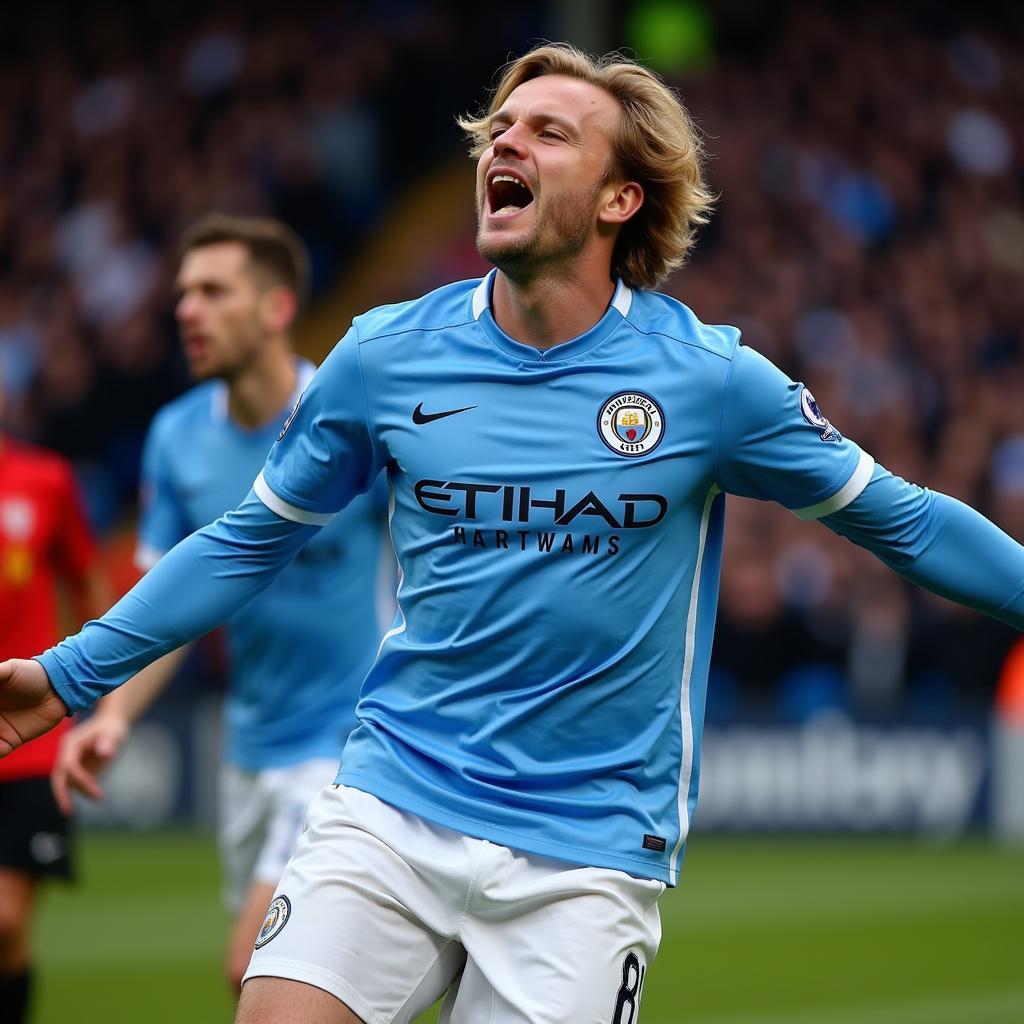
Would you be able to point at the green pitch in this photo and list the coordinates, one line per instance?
(759, 932)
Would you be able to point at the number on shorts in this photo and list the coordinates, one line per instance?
(629, 991)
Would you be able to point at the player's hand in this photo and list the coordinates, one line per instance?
(29, 705)
(84, 752)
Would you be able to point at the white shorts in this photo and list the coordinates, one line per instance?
(387, 911)
(260, 816)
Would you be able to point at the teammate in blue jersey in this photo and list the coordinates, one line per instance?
(558, 440)
(298, 652)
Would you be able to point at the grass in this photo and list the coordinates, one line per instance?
(761, 931)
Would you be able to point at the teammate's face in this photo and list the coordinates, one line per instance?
(219, 311)
(552, 138)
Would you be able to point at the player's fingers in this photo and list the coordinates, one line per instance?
(72, 750)
(61, 793)
(93, 763)
(9, 738)
(105, 748)
(80, 778)
(72, 764)
(8, 670)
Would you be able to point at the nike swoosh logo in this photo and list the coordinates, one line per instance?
(420, 417)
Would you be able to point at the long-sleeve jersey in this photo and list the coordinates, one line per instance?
(557, 516)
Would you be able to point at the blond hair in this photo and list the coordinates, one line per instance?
(655, 144)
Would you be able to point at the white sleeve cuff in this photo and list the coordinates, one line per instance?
(859, 479)
(286, 510)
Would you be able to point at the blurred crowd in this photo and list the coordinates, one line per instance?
(869, 239)
(122, 124)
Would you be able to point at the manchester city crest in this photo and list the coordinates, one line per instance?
(631, 423)
(277, 916)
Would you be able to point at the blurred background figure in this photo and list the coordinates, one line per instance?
(46, 549)
(297, 651)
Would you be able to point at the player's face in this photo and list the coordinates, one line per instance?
(219, 311)
(551, 137)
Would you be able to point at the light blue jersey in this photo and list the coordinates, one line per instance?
(558, 518)
(298, 652)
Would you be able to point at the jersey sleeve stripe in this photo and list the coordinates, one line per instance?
(146, 556)
(286, 510)
(859, 479)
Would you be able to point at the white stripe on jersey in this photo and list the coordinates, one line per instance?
(284, 509)
(685, 722)
(859, 479)
(400, 626)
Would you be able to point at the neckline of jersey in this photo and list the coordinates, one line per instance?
(564, 351)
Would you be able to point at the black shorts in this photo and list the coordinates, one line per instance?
(34, 836)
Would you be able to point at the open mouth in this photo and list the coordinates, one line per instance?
(507, 195)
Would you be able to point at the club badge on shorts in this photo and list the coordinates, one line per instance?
(631, 424)
(277, 916)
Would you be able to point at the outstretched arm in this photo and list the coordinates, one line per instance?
(197, 585)
(324, 457)
(937, 542)
(193, 588)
